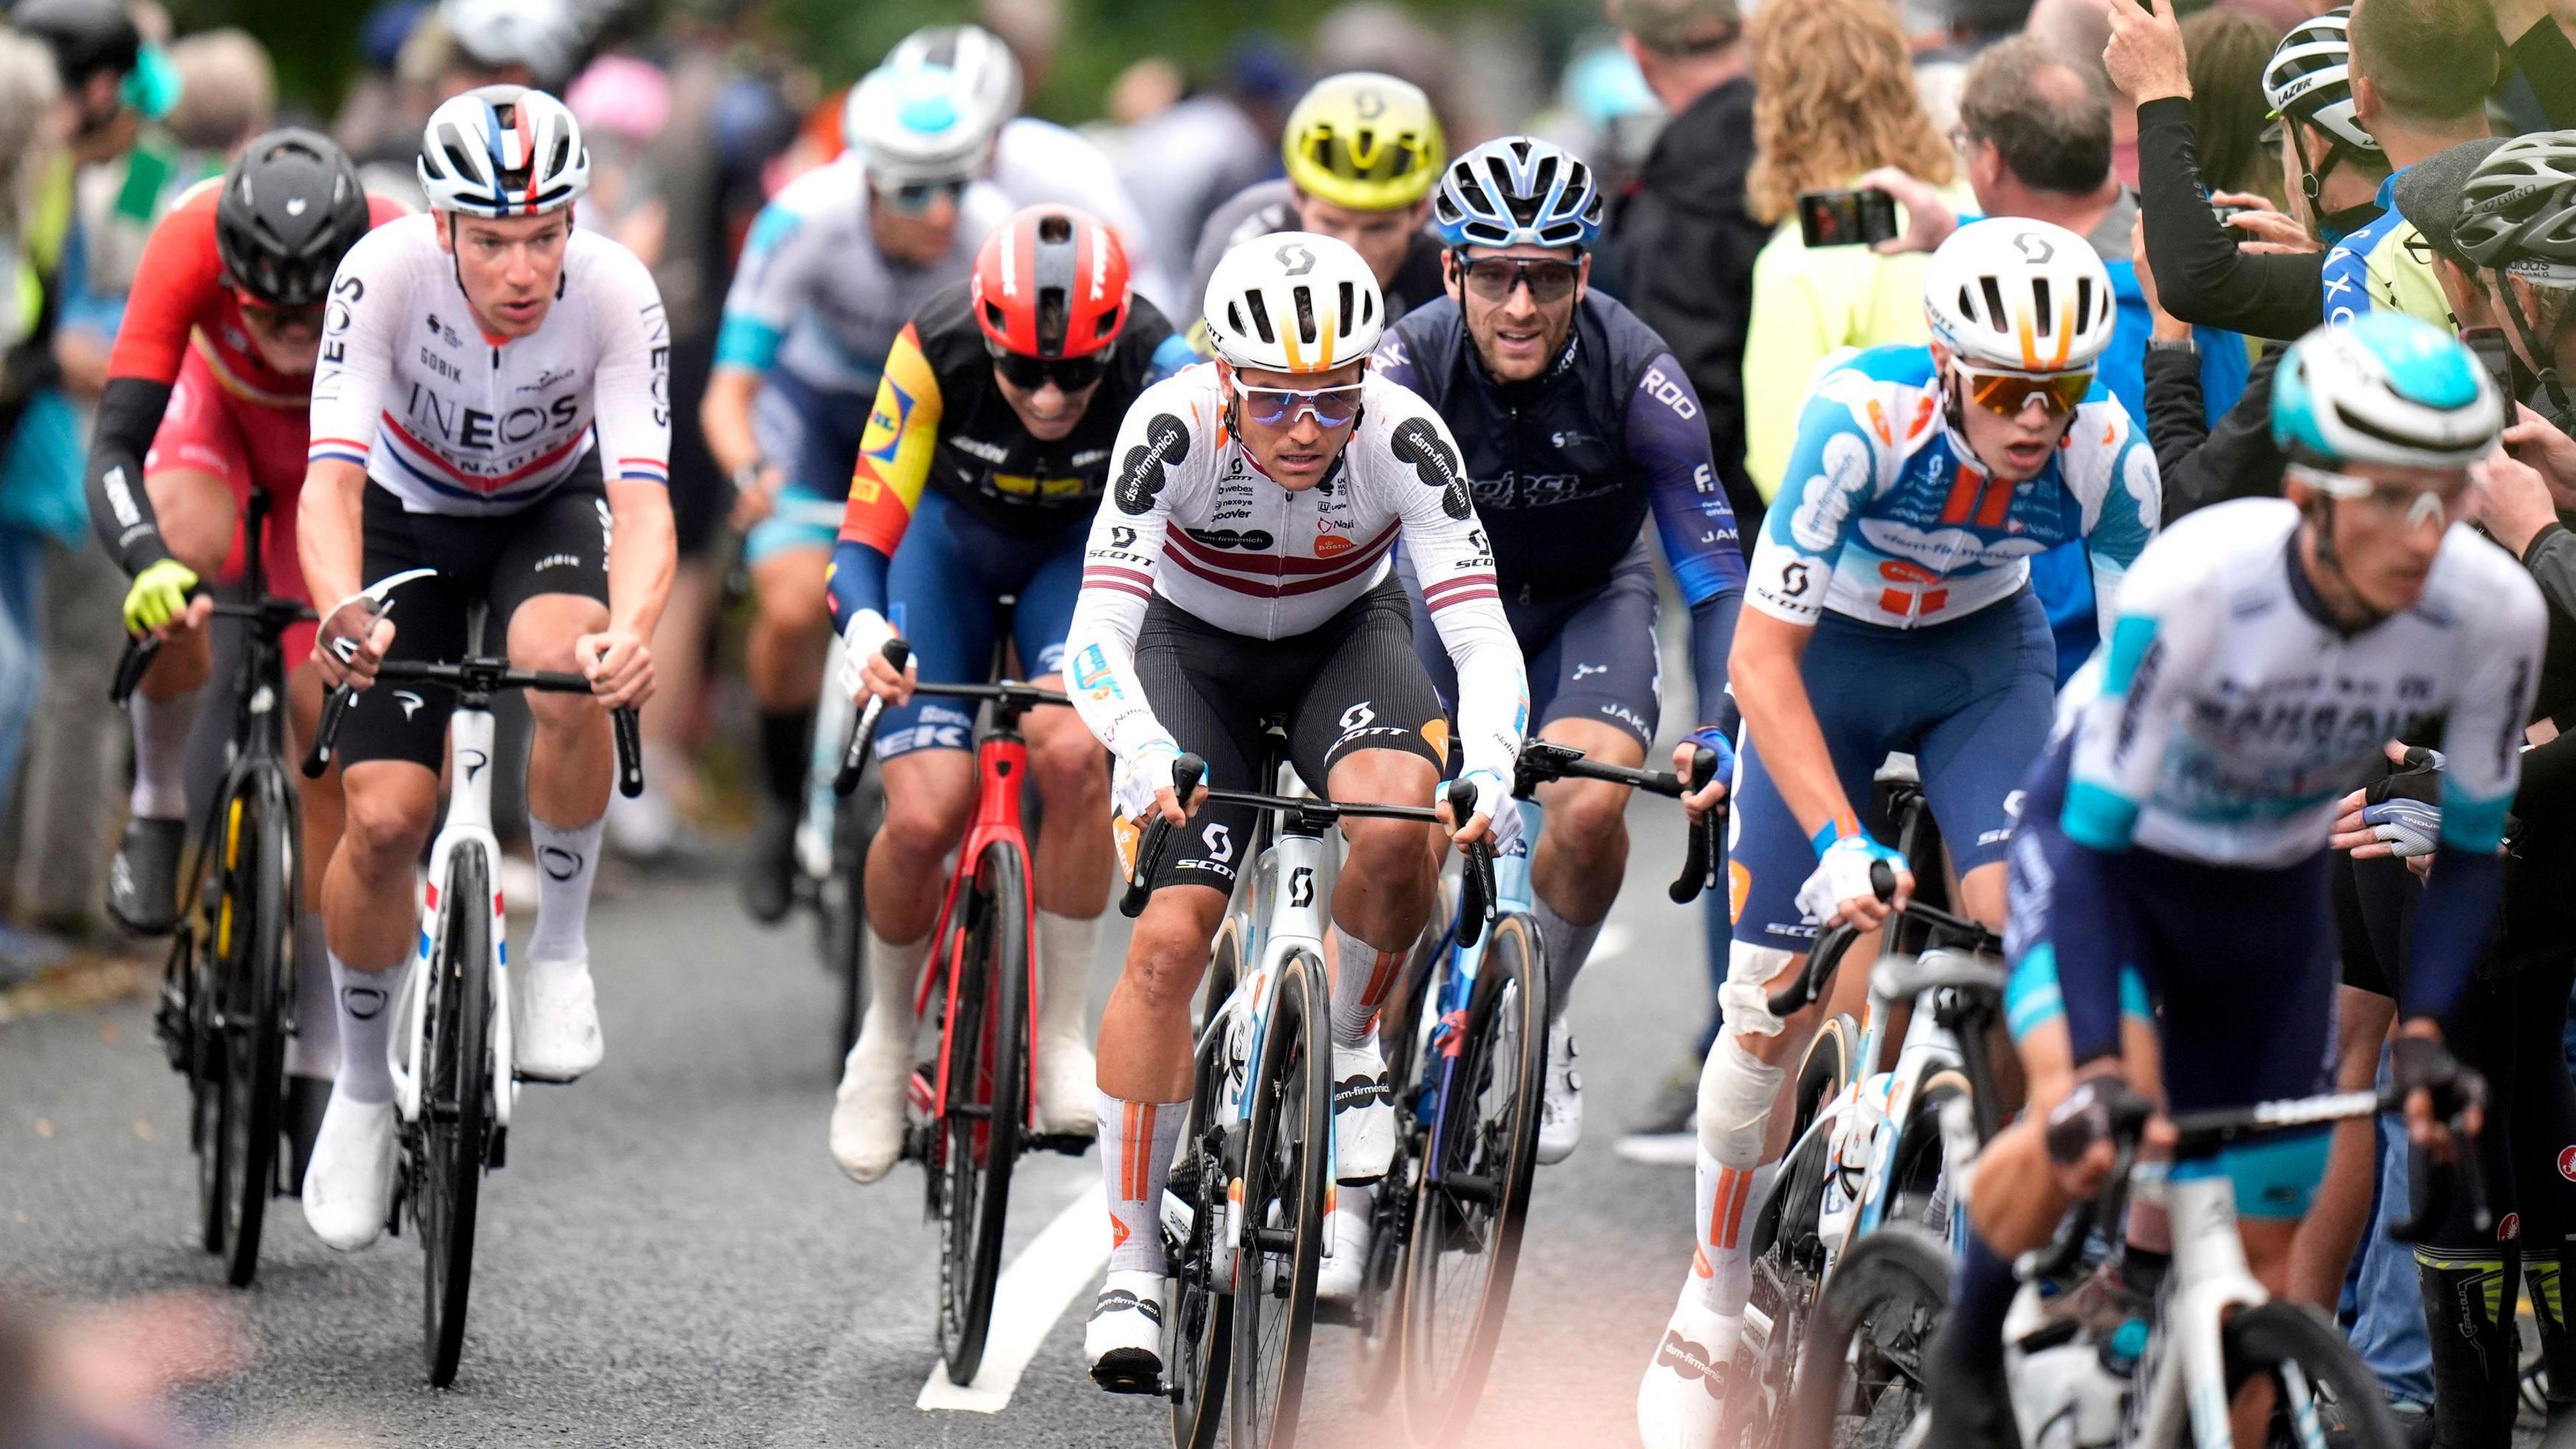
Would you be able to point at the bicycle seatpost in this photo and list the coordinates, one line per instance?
(863, 729)
(1187, 772)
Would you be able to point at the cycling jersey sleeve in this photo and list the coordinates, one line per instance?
(1668, 447)
(1152, 461)
(1451, 558)
(120, 507)
(885, 486)
(2117, 528)
(2167, 619)
(2201, 274)
(1833, 469)
(369, 301)
(769, 287)
(172, 285)
(1394, 361)
(631, 390)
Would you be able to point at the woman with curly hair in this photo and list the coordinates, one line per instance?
(1833, 97)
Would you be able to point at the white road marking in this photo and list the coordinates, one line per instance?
(1611, 944)
(1065, 1257)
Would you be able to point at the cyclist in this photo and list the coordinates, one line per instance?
(1575, 421)
(1891, 609)
(983, 462)
(493, 403)
(1363, 152)
(2177, 825)
(1242, 569)
(834, 267)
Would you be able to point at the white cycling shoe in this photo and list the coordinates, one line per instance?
(1363, 1113)
(867, 1112)
(1068, 1088)
(1682, 1398)
(1124, 1339)
(1560, 1113)
(350, 1179)
(554, 1026)
(1339, 1275)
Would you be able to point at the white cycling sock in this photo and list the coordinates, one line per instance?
(1137, 1140)
(161, 754)
(1065, 950)
(1352, 1204)
(567, 863)
(317, 1022)
(894, 973)
(1568, 946)
(1722, 1261)
(1361, 981)
(365, 1001)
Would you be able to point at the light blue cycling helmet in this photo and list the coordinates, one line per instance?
(1517, 190)
(2384, 388)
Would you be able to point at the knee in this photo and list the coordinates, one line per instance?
(1590, 821)
(1746, 997)
(921, 825)
(1736, 1090)
(790, 604)
(1067, 763)
(1164, 961)
(562, 713)
(383, 827)
(1389, 853)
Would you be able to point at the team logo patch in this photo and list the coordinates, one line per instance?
(1417, 441)
(2567, 1163)
(1142, 475)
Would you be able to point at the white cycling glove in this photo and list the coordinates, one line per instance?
(2411, 827)
(866, 635)
(1494, 801)
(1842, 872)
(1141, 773)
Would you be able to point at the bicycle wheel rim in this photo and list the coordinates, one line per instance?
(1378, 1346)
(1863, 1350)
(455, 1100)
(2301, 1353)
(846, 936)
(254, 1039)
(1201, 1336)
(1283, 1205)
(983, 1150)
(1465, 1250)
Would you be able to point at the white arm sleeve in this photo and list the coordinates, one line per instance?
(369, 299)
(2168, 617)
(631, 392)
(2482, 736)
(1148, 465)
(1456, 567)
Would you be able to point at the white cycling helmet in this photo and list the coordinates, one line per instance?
(2385, 388)
(916, 125)
(1294, 301)
(542, 35)
(983, 65)
(2022, 295)
(503, 151)
(2309, 78)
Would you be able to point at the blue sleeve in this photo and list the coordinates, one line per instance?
(1668, 448)
(1170, 355)
(858, 580)
(2452, 928)
(1393, 360)
(1712, 639)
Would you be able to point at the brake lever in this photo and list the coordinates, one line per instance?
(1187, 771)
(863, 729)
(1476, 872)
(1707, 835)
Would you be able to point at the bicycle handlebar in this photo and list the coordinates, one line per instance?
(1187, 772)
(1830, 948)
(142, 649)
(1700, 851)
(863, 729)
(1542, 761)
(482, 676)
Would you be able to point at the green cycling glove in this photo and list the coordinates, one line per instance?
(158, 595)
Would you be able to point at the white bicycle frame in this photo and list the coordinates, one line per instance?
(2211, 1280)
(469, 821)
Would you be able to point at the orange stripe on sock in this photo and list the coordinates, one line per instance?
(1381, 979)
(1726, 1213)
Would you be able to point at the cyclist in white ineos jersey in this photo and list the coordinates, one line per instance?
(1241, 569)
(492, 403)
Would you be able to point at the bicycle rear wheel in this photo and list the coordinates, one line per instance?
(1474, 1197)
(1864, 1347)
(456, 1104)
(987, 1046)
(1199, 1341)
(255, 932)
(1378, 1348)
(2315, 1379)
(1284, 1179)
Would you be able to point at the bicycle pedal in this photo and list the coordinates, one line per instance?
(1130, 1371)
(1071, 1144)
(496, 1149)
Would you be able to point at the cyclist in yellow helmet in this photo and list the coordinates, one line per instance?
(1363, 151)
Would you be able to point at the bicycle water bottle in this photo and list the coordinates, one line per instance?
(2051, 1394)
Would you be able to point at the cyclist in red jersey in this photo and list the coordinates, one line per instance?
(205, 401)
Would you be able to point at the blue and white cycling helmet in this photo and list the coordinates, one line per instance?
(1517, 191)
(2384, 388)
(918, 125)
(501, 151)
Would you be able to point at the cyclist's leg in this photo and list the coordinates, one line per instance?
(2469, 1278)
(2544, 1128)
(1073, 844)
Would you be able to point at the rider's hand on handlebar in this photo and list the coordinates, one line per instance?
(865, 671)
(619, 665)
(2082, 1144)
(349, 644)
(1143, 787)
(1699, 802)
(1840, 891)
(2437, 1087)
(159, 600)
(1492, 798)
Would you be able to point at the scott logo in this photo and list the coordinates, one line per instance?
(1296, 258)
(1301, 886)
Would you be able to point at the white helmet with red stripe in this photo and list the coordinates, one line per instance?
(2022, 295)
(503, 151)
(1293, 301)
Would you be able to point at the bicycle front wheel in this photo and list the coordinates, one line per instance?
(2319, 1391)
(1284, 1180)
(1863, 1354)
(1474, 1196)
(1199, 1342)
(256, 932)
(1377, 1349)
(987, 1046)
(456, 1104)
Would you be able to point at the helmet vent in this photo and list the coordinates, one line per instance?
(1995, 312)
(1108, 323)
(2039, 301)
(1261, 324)
(1349, 305)
(1055, 228)
(2083, 299)
(1051, 320)
(1307, 332)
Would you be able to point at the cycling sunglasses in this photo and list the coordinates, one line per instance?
(1494, 279)
(1028, 374)
(1333, 407)
(308, 316)
(2007, 393)
(2413, 504)
(915, 198)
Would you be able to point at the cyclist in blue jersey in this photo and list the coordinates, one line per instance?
(1574, 422)
(2262, 655)
(1890, 609)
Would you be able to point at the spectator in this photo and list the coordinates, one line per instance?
(227, 91)
(30, 247)
(1182, 162)
(2075, 31)
(1832, 100)
(2228, 51)
(1957, 32)
(2421, 71)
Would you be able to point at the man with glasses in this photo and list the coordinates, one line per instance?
(1241, 570)
(834, 267)
(1575, 421)
(984, 459)
(1891, 610)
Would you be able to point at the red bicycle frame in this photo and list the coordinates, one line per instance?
(1001, 764)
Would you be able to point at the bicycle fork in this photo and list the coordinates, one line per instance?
(469, 821)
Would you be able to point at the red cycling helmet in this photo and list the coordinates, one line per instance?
(1051, 283)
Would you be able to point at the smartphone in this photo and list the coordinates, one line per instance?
(2225, 211)
(1846, 218)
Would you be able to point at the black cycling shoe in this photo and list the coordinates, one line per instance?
(769, 868)
(143, 880)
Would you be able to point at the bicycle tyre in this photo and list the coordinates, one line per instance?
(254, 1030)
(2278, 1332)
(845, 910)
(1199, 1341)
(1921, 1161)
(456, 1104)
(1377, 1348)
(203, 1065)
(1899, 1268)
(987, 1045)
(1285, 1157)
(1491, 1136)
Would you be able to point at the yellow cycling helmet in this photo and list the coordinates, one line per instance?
(1364, 140)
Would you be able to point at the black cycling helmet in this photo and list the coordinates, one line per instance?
(86, 36)
(291, 208)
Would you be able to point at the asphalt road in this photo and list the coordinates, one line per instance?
(670, 1256)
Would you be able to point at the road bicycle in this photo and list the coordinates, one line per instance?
(970, 1108)
(1467, 1044)
(451, 1055)
(832, 838)
(1250, 1193)
(227, 1003)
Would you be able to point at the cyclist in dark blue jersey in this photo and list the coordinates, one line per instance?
(1575, 423)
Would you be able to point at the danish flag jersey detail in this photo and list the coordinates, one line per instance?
(451, 421)
(1192, 517)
